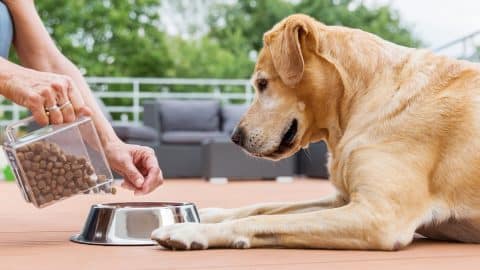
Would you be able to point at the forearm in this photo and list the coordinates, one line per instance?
(7, 70)
(43, 55)
(62, 65)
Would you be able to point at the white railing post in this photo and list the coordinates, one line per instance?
(248, 93)
(16, 113)
(136, 101)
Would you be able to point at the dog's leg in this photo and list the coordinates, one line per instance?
(354, 226)
(388, 202)
(215, 215)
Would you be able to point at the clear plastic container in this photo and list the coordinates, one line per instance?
(58, 161)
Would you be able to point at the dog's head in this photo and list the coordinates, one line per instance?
(292, 92)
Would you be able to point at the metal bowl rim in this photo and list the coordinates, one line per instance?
(142, 205)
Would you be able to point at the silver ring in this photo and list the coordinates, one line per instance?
(53, 108)
(65, 105)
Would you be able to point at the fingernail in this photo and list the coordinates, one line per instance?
(139, 182)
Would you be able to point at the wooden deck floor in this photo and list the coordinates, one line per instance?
(38, 239)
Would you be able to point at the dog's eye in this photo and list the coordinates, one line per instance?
(262, 84)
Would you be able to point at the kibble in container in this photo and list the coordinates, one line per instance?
(58, 161)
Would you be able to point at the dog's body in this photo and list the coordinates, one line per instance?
(403, 129)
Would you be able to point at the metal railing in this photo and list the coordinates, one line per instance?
(133, 91)
(466, 47)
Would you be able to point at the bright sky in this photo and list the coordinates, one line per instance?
(437, 22)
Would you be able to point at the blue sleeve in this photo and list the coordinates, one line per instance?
(6, 31)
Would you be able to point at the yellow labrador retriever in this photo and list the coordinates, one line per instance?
(403, 129)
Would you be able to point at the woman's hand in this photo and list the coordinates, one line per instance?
(137, 164)
(51, 98)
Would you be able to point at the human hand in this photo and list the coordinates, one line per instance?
(52, 98)
(137, 164)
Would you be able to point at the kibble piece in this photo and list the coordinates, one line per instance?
(82, 160)
(77, 166)
(70, 158)
(37, 158)
(31, 174)
(48, 198)
(62, 158)
(62, 172)
(89, 169)
(41, 200)
(29, 155)
(78, 181)
(41, 184)
(37, 147)
(69, 175)
(71, 185)
(55, 171)
(61, 180)
(78, 173)
(57, 197)
(21, 156)
(58, 164)
(49, 165)
(114, 190)
(67, 167)
(44, 155)
(67, 192)
(35, 166)
(59, 189)
(102, 178)
(43, 164)
(27, 164)
(53, 158)
(36, 191)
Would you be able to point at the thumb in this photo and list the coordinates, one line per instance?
(131, 174)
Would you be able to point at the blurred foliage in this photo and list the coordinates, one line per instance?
(215, 38)
(107, 37)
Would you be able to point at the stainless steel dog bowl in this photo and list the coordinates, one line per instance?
(132, 223)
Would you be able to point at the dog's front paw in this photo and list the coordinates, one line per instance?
(182, 236)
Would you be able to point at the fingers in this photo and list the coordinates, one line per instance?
(154, 176)
(76, 99)
(35, 103)
(131, 174)
(63, 102)
(128, 185)
(50, 105)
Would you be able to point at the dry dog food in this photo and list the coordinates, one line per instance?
(53, 174)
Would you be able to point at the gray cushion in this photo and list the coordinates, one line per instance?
(189, 115)
(231, 114)
(190, 137)
(131, 132)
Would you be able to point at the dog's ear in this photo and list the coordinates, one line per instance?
(284, 44)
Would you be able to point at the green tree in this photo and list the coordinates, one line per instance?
(254, 17)
(109, 37)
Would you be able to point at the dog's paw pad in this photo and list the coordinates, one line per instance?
(176, 245)
(197, 246)
(241, 244)
(182, 236)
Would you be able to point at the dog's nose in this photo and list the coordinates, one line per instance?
(238, 136)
